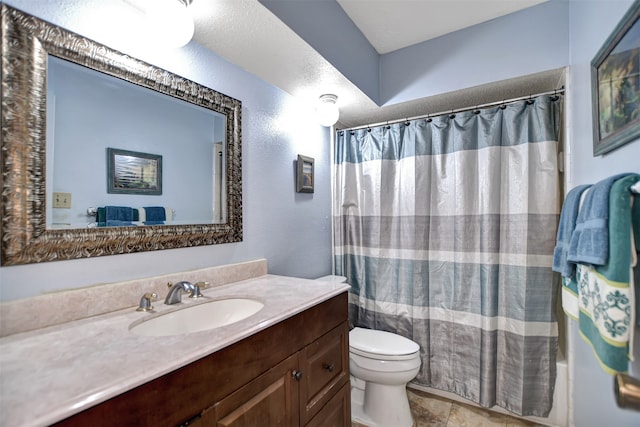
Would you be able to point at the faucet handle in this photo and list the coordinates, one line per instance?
(145, 301)
(197, 288)
(203, 285)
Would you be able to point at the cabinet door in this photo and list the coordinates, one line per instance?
(336, 413)
(325, 368)
(269, 400)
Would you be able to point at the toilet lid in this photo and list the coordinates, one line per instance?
(380, 343)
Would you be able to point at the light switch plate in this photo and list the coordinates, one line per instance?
(62, 200)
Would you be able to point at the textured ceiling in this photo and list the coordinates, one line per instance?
(249, 35)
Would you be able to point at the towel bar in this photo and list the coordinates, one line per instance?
(627, 391)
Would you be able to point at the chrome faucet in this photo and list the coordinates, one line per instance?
(175, 292)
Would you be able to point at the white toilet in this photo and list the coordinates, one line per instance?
(381, 365)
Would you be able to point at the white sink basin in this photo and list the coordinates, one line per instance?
(198, 318)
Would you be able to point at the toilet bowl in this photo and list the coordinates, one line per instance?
(381, 365)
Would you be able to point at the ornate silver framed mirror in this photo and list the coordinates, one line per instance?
(28, 44)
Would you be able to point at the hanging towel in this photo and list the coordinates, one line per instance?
(635, 223)
(570, 209)
(117, 223)
(118, 213)
(101, 217)
(155, 215)
(590, 239)
(117, 216)
(567, 224)
(606, 293)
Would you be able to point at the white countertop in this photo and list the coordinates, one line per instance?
(49, 374)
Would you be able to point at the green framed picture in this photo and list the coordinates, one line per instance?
(615, 86)
(131, 172)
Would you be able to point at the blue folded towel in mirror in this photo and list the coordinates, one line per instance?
(155, 215)
(118, 213)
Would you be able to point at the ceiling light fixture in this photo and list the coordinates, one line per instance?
(327, 110)
(170, 23)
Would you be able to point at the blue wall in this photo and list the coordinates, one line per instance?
(522, 43)
(291, 230)
(590, 25)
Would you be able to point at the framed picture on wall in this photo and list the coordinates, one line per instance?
(304, 178)
(615, 86)
(130, 172)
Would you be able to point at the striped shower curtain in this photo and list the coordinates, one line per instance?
(445, 229)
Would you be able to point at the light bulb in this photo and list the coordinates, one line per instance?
(170, 23)
(327, 110)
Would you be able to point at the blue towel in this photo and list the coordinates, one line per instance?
(590, 240)
(567, 224)
(117, 223)
(155, 213)
(118, 213)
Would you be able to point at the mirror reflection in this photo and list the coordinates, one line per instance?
(57, 152)
(121, 154)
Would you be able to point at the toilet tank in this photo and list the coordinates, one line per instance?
(332, 278)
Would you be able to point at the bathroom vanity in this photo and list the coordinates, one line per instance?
(293, 373)
(285, 365)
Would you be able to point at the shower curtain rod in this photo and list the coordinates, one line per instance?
(460, 110)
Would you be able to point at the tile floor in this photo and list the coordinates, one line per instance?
(434, 411)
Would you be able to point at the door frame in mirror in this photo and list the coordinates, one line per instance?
(26, 43)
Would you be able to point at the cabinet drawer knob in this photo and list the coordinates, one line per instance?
(328, 366)
(297, 375)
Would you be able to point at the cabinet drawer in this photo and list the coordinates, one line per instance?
(325, 368)
(336, 413)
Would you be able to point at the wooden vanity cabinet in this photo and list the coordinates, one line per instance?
(294, 373)
(269, 400)
(324, 365)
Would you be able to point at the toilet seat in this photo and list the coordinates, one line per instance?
(381, 345)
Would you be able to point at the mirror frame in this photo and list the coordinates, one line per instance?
(26, 43)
